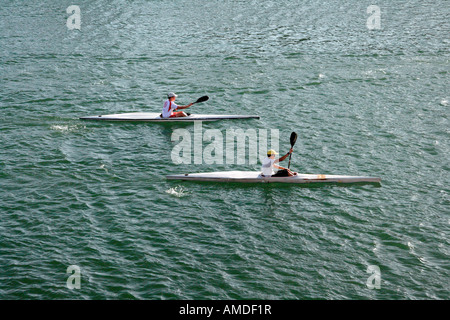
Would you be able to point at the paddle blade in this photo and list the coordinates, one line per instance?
(202, 99)
(293, 138)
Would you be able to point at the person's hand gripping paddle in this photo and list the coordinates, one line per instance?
(201, 99)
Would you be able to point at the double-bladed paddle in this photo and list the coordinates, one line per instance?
(293, 140)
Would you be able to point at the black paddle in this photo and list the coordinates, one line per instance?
(201, 99)
(293, 140)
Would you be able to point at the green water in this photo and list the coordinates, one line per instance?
(363, 102)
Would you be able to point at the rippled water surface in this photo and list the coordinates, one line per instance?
(363, 102)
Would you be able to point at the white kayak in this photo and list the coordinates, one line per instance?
(155, 117)
(255, 176)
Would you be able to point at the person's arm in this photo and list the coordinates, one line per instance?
(279, 167)
(184, 107)
(285, 156)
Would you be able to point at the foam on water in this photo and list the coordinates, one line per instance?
(177, 191)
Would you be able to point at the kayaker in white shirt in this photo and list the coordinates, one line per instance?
(270, 163)
(170, 108)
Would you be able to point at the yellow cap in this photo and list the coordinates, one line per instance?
(271, 152)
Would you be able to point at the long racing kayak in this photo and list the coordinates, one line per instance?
(255, 176)
(155, 117)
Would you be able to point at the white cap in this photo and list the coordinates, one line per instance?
(171, 94)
